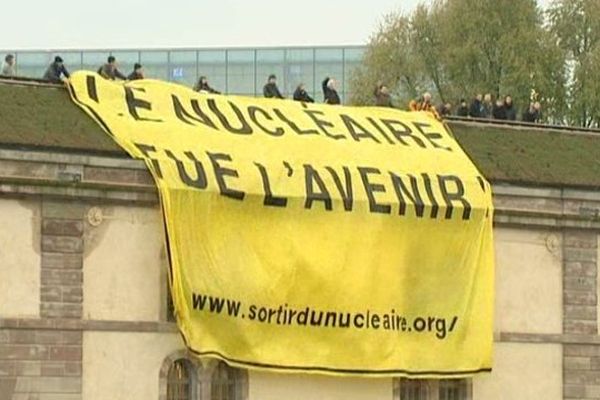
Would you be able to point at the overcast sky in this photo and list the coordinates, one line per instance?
(35, 24)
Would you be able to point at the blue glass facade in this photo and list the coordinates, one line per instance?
(241, 71)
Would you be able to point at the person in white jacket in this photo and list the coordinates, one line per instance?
(8, 67)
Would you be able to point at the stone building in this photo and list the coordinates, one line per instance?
(84, 310)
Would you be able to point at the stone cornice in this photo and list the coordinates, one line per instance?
(118, 179)
(171, 327)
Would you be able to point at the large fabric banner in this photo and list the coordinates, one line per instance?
(312, 238)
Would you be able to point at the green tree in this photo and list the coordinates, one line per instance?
(575, 25)
(486, 36)
(428, 44)
(461, 47)
(388, 59)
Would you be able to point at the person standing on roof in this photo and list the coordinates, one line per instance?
(533, 114)
(270, 90)
(109, 70)
(330, 93)
(463, 109)
(204, 87)
(511, 111)
(56, 71)
(137, 73)
(300, 94)
(8, 68)
(487, 106)
(476, 109)
(424, 103)
(382, 96)
(499, 111)
(444, 110)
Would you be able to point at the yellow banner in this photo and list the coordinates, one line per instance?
(313, 238)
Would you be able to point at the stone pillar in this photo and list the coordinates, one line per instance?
(581, 362)
(42, 359)
(61, 292)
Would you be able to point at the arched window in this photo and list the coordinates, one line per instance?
(182, 377)
(225, 383)
(180, 380)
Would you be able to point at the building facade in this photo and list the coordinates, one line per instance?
(84, 310)
(241, 71)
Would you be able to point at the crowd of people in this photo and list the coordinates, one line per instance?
(329, 86)
(481, 107)
(56, 72)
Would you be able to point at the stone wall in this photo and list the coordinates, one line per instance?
(75, 221)
(43, 359)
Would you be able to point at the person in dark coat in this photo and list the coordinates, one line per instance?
(382, 97)
(270, 90)
(137, 73)
(330, 94)
(203, 86)
(463, 109)
(487, 106)
(444, 109)
(476, 109)
(533, 113)
(511, 111)
(110, 71)
(56, 71)
(499, 112)
(300, 94)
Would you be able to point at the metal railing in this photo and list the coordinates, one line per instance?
(522, 124)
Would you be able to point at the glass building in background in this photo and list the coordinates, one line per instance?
(241, 71)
